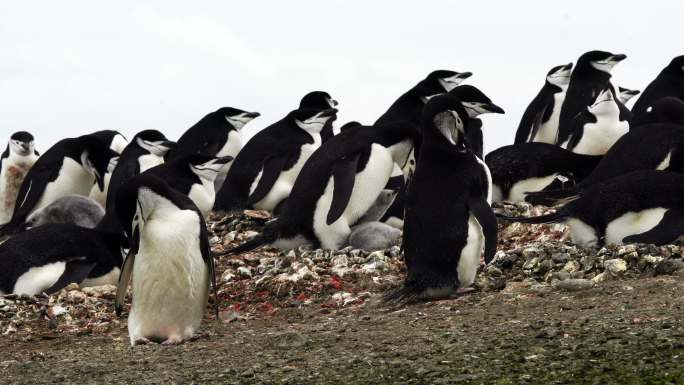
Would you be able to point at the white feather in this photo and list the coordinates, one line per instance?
(38, 279)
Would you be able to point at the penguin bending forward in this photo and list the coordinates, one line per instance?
(169, 262)
(15, 163)
(448, 220)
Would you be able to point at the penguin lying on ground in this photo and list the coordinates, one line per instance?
(670, 82)
(448, 219)
(590, 76)
(320, 100)
(535, 166)
(639, 207)
(658, 146)
(337, 186)
(374, 236)
(193, 176)
(625, 94)
(75, 209)
(265, 170)
(15, 162)
(539, 122)
(665, 110)
(48, 258)
(169, 262)
(67, 168)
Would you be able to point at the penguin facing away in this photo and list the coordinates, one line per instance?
(169, 262)
(448, 220)
(337, 186)
(193, 176)
(650, 209)
(48, 258)
(320, 100)
(590, 76)
(265, 170)
(15, 163)
(540, 120)
(625, 94)
(67, 168)
(665, 110)
(670, 82)
(534, 166)
(113, 139)
(75, 209)
(596, 129)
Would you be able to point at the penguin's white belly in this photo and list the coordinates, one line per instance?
(170, 279)
(581, 233)
(38, 279)
(73, 179)
(599, 137)
(368, 184)
(632, 223)
(100, 196)
(519, 188)
(203, 196)
(283, 185)
(469, 260)
(111, 278)
(13, 174)
(148, 161)
(548, 132)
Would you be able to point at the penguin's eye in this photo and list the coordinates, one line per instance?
(412, 162)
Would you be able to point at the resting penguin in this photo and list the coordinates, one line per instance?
(625, 94)
(337, 186)
(100, 196)
(75, 209)
(114, 139)
(448, 219)
(374, 236)
(535, 166)
(590, 76)
(15, 162)
(670, 82)
(409, 106)
(658, 146)
(67, 168)
(595, 130)
(320, 100)
(193, 176)
(48, 258)
(665, 110)
(169, 262)
(639, 207)
(265, 170)
(539, 122)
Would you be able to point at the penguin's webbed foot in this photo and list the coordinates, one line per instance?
(173, 340)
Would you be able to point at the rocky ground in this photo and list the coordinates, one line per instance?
(545, 311)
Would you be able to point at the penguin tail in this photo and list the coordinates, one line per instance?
(558, 216)
(552, 197)
(268, 235)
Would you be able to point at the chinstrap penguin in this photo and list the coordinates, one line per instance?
(320, 100)
(113, 139)
(15, 162)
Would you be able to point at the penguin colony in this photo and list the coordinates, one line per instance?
(103, 209)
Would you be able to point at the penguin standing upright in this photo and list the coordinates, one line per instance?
(595, 130)
(448, 219)
(625, 94)
(409, 106)
(67, 168)
(15, 162)
(194, 176)
(169, 262)
(670, 82)
(320, 100)
(539, 122)
(265, 170)
(590, 76)
(48, 258)
(337, 186)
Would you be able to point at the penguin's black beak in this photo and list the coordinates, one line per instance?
(493, 108)
(333, 102)
(25, 147)
(100, 181)
(568, 66)
(618, 58)
(252, 115)
(224, 159)
(465, 75)
(328, 112)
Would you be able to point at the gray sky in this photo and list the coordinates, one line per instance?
(72, 67)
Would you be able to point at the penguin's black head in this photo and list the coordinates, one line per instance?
(445, 121)
(475, 101)
(21, 143)
(444, 80)
(154, 142)
(626, 94)
(96, 157)
(349, 125)
(317, 99)
(599, 60)
(676, 66)
(560, 75)
(237, 118)
(205, 165)
(665, 110)
(312, 120)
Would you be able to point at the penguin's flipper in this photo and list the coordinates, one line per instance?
(124, 279)
(208, 258)
(537, 123)
(75, 271)
(344, 174)
(272, 168)
(485, 216)
(667, 231)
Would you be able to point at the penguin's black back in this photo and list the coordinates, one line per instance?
(669, 82)
(541, 104)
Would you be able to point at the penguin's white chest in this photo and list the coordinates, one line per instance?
(599, 137)
(548, 132)
(13, 173)
(519, 188)
(170, 280)
(38, 279)
(232, 147)
(203, 195)
(469, 259)
(632, 223)
(73, 179)
(148, 161)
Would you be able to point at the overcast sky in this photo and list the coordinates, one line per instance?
(72, 67)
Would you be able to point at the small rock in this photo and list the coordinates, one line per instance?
(104, 291)
(289, 340)
(615, 266)
(669, 266)
(229, 316)
(244, 271)
(574, 284)
(560, 257)
(227, 276)
(76, 296)
(602, 277)
(531, 252)
(571, 267)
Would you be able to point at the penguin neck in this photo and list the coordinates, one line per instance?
(401, 151)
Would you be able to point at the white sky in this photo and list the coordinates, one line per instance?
(72, 67)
